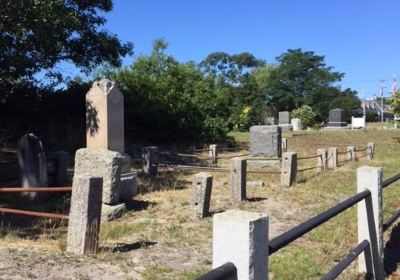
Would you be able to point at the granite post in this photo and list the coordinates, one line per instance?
(321, 159)
(241, 237)
(332, 158)
(237, 179)
(84, 216)
(370, 220)
(201, 194)
(351, 153)
(288, 169)
(213, 153)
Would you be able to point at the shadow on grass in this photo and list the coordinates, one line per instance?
(127, 247)
(392, 251)
(138, 205)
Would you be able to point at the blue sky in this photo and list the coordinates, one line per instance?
(358, 37)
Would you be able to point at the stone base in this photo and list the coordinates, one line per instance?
(286, 127)
(112, 212)
(259, 162)
(128, 186)
(337, 124)
(336, 128)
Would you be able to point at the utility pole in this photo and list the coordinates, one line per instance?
(382, 111)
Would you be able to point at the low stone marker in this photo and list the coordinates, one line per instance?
(32, 162)
(241, 237)
(288, 169)
(213, 153)
(321, 159)
(237, 179)
(351, 153)
(61, 159)
(150, 160)
(84, 216)
(332, 157)
(266, 140)
(201, 194)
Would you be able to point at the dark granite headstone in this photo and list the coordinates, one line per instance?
(32, 161)
(337, 118)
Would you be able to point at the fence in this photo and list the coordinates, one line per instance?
(247, 233)
(288, 168)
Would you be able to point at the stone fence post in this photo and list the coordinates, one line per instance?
(332, 157)
(284, 145)
(237, 179)
(241, 237)
(201, 194)
(370, 150)
(213, 153)
(85, 213)
(288, 169)
(150, 160)
(370, 220)
(351, 153)
(321, 159)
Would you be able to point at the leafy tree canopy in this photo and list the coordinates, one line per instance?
(37, 34)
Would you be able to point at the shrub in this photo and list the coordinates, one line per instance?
(305, 114)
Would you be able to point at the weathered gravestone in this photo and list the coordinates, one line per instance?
(32, 161)
(266, 140)
(337, 119)
(269, 120)
(284, 121)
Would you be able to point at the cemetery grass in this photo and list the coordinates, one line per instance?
(160, 239)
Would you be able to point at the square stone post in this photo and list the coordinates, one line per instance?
(370, 219)
(201, 194)
(213, 153)
(150, 160)
(332, 157)
(288, 169)
(85, 213)
(321, 159)
(370, 150)
(241, 237)
(284, 145)
(237, 179)
(351, 153)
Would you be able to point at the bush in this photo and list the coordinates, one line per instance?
(372, 116)
(305, 114)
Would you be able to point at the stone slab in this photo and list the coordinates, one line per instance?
(128, 186)
(284, 117)
(104, 164)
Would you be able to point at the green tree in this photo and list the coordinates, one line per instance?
(305, 114)
(301, 77)
(394, 103)
(170, 101)
(37, 34)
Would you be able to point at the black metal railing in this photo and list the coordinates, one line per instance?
(344, 263)
(226, 271)
(396, 215)
(298, 231)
